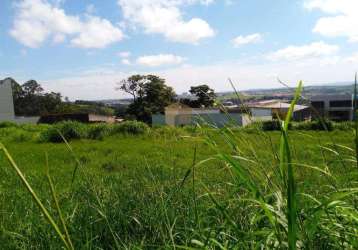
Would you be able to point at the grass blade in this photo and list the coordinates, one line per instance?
(53, 192)
(286, 167)
(34, 196)
(355, 116)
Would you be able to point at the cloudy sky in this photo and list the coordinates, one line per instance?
(83, 47)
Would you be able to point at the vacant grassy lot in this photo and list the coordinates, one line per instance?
(177, 188)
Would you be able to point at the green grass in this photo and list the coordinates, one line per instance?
(181, 188)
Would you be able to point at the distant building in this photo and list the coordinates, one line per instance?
(179, 115)
(80, 117)
(279, 109)
(229, 104)
(333, 107)
(6, 101)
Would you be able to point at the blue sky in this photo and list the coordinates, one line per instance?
(83, 47)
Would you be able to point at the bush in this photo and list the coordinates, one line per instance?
(8, 124)
(314, 125)
(131, 127)
(98, 131)
(271, 125)
(322, 125)
(343, 125)
(34, 127)
(169, 131)
(68, 129)
(21, 136)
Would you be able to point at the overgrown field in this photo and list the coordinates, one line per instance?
(119, 187)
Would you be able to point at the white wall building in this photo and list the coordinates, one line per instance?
(6, 101)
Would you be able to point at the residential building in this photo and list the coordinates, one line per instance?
(333, 107)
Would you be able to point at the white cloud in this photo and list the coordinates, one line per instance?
(353, 58)
(37, 20)
(342, 19)
(124, 54)
(100, 84)
(160, 60)
(165, 17)
(243, 40)
(59, 38)
(313, 50)
(97, 33)
(126, 61)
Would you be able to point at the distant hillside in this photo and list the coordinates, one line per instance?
(258, 94)
(287, 93)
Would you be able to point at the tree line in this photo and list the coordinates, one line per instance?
(30, 99)
(150, 95)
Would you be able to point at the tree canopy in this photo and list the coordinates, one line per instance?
(150, 95)
(205, 97)
(31, 100)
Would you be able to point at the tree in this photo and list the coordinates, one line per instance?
(17, 94)
(205, 96)
(30, 99)
(150, 96)
(32, 88)
(133, 85)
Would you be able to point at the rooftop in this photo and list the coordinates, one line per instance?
(275, 104)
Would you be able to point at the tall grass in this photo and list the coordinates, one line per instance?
(274, 190)
(67, 242)
(186, 188)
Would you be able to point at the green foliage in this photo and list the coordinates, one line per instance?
(31, 100)
(205, 96)
(169, 131)
(146, 190)
(274, 125)
(316, 125)
(271, 125)
(8, 124)
(150, 96)
(131, 127)
(69, 130)
(85, 107)
(343, 126)
(98, 131)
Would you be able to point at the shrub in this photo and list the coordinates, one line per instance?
(169, 131)
(271, 125)
(98, 131)
(34, 127)
(343, 125)
(8, 124)
(315, 125)
(21, 136)
(68, 129)
(131, 127)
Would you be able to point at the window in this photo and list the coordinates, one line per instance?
(340, 104)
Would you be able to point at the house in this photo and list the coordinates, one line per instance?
(333, 107)
(278, 109)
(80, 117)
(179, 115)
